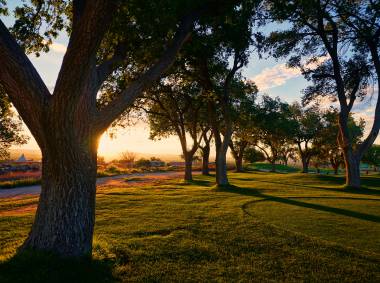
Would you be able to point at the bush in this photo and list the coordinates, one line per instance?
(253, 155)
(142, 162)
(19, 183)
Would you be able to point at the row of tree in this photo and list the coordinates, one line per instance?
(119, 51)
(278, 130)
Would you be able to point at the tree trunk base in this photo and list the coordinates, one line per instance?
(352, 173)
(65, 217)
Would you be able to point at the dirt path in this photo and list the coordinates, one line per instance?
(35, 190)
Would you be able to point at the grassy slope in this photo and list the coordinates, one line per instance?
(269, 227)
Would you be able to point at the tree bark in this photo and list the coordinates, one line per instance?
(221, 168)
(352, 164)
(305, 165)
(205, 161)
(65, 217)
(188, 167)
(239, 164)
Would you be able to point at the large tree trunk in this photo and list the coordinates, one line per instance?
(221, 167)
(352, 164)
(64, 221)
(273, 166)
(205, 160)
(239, 164)
(305, 165)
(188, 167)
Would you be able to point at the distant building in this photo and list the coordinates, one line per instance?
(157, 163)
(21, 158)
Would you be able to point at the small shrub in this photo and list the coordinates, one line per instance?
(19, 183)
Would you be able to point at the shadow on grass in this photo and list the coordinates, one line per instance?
(337, 181)
(197, 182)
(38, 267)
(292, 201)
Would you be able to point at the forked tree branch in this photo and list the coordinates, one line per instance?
(115, 108)
(78, 70)
(21, 81)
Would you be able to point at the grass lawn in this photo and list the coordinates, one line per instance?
(267, 227)
(261, 166)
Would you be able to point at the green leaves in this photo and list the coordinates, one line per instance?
(39, 22)
(372, 157)
(3, 8)
(10, 127)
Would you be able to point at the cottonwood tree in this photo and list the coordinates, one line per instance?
(252, 155)
(345, 34)
(308, 125)
(288, 152)
(372, 157)
(134, 40)
(327, 146)
(238, 144)
(242, 114)
(128, 157)
(274, 128)
(174, 107)
(10, 127)
(218, 52)
(205, 148)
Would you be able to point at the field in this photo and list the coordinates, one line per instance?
(266, 227)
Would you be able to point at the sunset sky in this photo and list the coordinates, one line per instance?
(271, 76)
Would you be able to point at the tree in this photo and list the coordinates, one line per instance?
(242, 114)
(274, 128)
(319, 31)
(205, 148)
(134, 41)
(219, 51)
(252, 155)
(308, 125)
(10, 127)
(100, 160)
(372, 157)
(142, 162)
(326, 144)
(128, 157)
(287, 151)
(174, 107)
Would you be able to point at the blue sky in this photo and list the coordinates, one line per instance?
(271, 76)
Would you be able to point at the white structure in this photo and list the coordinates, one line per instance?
(21, 158)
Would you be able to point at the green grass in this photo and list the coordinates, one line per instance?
(19, 183)
(268, 167)
(265, 227)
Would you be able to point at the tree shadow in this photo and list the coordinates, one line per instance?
(36, 267)
(196, 182)
(362, 191)
(293, 201)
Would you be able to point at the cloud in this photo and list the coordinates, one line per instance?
(280, 74)
(57, 47)
(275, 76)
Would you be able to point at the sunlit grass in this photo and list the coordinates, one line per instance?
(266, 227)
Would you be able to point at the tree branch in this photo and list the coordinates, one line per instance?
(21, 81)
(128, 96)
(105, 69)
(93, 19)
